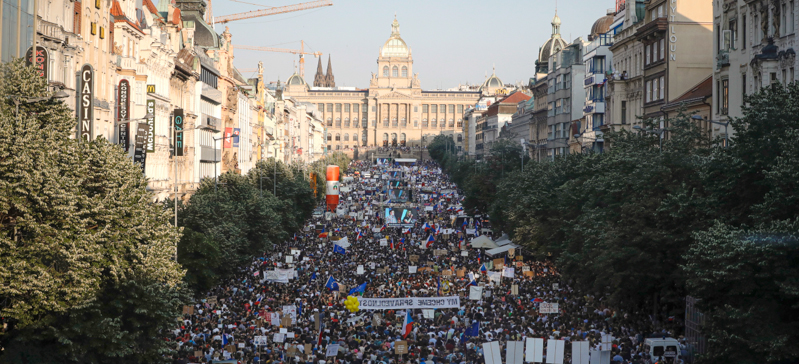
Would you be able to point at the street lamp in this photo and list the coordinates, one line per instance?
(725, 125)
(658, 131)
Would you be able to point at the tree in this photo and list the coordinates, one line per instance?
(747, 281)
(79, 230)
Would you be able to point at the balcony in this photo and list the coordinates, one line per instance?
(209, 154)
(210, 122)
(722, 59)
(594, 79)
(594, 107)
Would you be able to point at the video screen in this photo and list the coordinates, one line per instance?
(384, 161)
(396, 217)
(397, 184)
(399, 195)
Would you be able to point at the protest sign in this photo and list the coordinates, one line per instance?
(400, 347)
(332, 350)
(446, 273)
(188, 310)
(514, 289)
(408, 303)
(547, 307)
(460, 273)
(259, 340)
(211, 300)
(475, 293)
(278, 338)
(464, 253)
(498, 263)
(412, 269)
(359, 270)
(275, 319)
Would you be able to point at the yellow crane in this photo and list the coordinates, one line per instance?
(300, 51)
(264, 12)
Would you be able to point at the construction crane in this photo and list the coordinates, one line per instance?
(265, 12)
(301, 52)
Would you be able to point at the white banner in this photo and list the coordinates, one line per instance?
(278, 275)
(509, 273)
(580, 352)
(409, 303)
(475, 293)
(259, 340)
(491, 353)
(546, 307)
(332, 350)
(291, 310)
(411, 269)
(555, 349)
(514, 352)
(535, 350)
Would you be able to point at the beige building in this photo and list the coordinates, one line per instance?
(625, 102)
(394, 110)
(674, 34)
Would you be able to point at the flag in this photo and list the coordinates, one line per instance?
(392, 243)
(438, 288)
(322, 235)
(224, 340)
(359, 289)
(313, 276)
(483, 269)
(473, 282)
(336, 230)
(360, 235)
(295, 236)
(460, 240)
(407, 231)
(426, 227)
(464, 222)
(473, 330)
(331, 284)
(258, 302)
(383, 227)
(430, 240)
(339, 249)
(402, 240)
(408, 324)
(321, 330)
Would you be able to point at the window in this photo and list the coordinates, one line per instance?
(385, 72)
(451, 109)
(403, 123)
(329, 121)
(567, 105)
(558, 130)
(567, 81)
(442, 108)
(551, 109)
(374, 123)
(551, 132)
(743, 31)
(346, 122)
(558, 107)
(559, 79)
(647, 56)
(460, 109)
(373, 108)
(416, 123)
(662, 87)
(790, 21)
(329, 137)
(346, 107)
(460, 123)
(338, 147)
(338, 107)
(395, 72)
(451, 123)
(758, 30)
(648, 91)
(655, 90)
(743, 86)
(434, 109)
(354, 137)
(415, 108)
(320, 107)
(662, 53)
(598, 120)
(338, 137)
(346, 137)
(404, 71)
(425, 108)
(660, 11)
(725, 96)
(624, 112)
(356, 108)
(385, 122)
(394, 122)
(460, 138)
(329, 107)
(598, 65)
(338, 122)
(424, 123)
(434, 123)
(551, 88)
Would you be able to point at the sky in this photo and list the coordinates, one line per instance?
(452, 41)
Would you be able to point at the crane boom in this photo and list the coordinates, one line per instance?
(301, 52)
(273, 11)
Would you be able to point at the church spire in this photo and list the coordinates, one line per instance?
(329, 78)
(319, 79)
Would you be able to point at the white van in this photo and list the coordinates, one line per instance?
(662, 349)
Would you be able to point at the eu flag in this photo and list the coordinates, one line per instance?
(473, 330)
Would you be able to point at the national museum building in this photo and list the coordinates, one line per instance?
(394, 110)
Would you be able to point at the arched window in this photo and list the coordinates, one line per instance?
(346, 122)
(433, 123)
(385, 137)
(338, 122)
(460, 123)
(404, 123)
(394, 122)
(385, 71)
(460, 138)
(338, 147)
(385, 122)
(402, 137)
(424, 123)
(395, 72)
(329, 137)
(354, 137)
(404, 71)
(451, 123)
(346, 137)
(416, 123)
(329, 121)
(355, 123)
(338, 137)
(365, 137)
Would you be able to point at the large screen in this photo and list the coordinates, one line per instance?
(397, 184)
(398, 216)
(399, 195)
(383, 161)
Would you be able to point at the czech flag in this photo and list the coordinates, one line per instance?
(483, 269)
(407, 326)
(430, 240)
(383, 227)
(426, 227)
(392, 243)
(407, 231)
(360, 235)
(258, 303)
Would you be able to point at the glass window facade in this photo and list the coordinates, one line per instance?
(17, 29)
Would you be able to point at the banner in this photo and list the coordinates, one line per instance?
(123, 113)
(177, 121)
(475, 293)
(139, 149)
(228, 142)
(409, 303)
(236, 132)
(85, 104)
(547, 307)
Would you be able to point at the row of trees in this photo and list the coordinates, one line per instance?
(646, 227)
(227, 222)
(87, 260)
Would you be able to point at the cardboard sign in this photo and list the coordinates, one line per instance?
(529, 274)
(446, 273)
(546, 307)
(498, 263)
(514, 289)
(285, 321)
(188, 310)
(400, 347)
(414, 258)
(460, 273)
(519, 258)
(198, 354)
(211, 300)
(439, 252)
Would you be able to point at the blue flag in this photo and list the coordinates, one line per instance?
(224, 339)
(331, 284)
(339, 249)
(473, 330)
(359, 289)
(313, 276)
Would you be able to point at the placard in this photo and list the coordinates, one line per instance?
(188, 310)
(464, 253)
(514, 289)
(547, 307)
(555, 286)
(498, 263)
(360, 270)
(414, 258)
(383, 242)
(400, 347)
(211, 300)
(460, 273)
(332, 350)
(289, 259)
(412, 269)
(446, 273)
(428, 314)
(439, 252)
(475, 293)
(278, 338)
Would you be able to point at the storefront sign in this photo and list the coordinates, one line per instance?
(123, 109)
(85, 103)
(40, 60)
(178, 128)
(151, 126)
(140, 151)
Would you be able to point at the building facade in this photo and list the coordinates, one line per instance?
(625, 101)
(393, 111)
(565, 96)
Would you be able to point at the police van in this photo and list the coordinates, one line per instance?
(664, 350)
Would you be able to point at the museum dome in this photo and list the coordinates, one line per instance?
(395, 46)
(554, 44)
(601, 26)
(295, 80)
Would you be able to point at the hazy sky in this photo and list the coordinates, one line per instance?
(453, 41)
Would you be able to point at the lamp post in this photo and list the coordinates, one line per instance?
(24, 100)
(658, 131)
(725, 125)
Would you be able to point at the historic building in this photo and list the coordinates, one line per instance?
(625, 101)
(753, 47)
(394, 110)
(565, 96)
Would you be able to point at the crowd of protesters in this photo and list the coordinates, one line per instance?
(255, 318)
